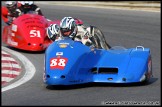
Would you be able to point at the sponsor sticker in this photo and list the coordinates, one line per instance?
(59, 53)
(12, 42)
(12, 34)
(63, 45)
(14, 28)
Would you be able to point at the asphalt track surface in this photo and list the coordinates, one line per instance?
(120, 27)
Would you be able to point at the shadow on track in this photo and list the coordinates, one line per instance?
(25, 51)
(86, 85)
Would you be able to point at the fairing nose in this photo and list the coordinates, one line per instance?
(56, 80)
(35, 46)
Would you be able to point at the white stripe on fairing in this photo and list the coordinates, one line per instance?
(8, 58)
(10, 72)
(6, 79)
(10, 65)
(29, 70)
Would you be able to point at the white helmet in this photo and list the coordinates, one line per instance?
(53, 31)
(27, 2)
(11, 5)
(68, 27)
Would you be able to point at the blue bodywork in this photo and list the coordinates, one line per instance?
(83, 64)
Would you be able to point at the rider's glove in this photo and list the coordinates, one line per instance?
(92, 47)
(9, 22)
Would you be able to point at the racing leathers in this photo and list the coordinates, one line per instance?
(82, 35)
(21, 10)
(9, 13)
(8, 16)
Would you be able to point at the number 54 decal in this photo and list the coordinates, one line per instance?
(58, 63)
(34, 33)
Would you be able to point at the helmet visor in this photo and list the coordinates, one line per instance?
(65, 31)
(27, 6)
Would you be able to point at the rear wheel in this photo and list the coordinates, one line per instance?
(148, 74)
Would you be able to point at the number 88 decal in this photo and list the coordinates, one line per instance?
(58, 63)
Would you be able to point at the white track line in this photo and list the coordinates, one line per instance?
(29, 70)
(8, 58)
(7, 79)
(10, 72)
(4, 52)
(10, 65)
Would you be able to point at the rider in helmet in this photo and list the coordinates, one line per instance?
(27, 6)
(9, 11)
(69, 28)
(53, 32)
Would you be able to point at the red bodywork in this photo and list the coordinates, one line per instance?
(28, 32)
